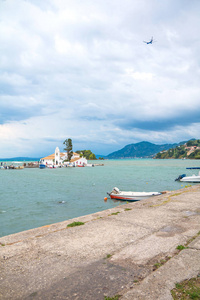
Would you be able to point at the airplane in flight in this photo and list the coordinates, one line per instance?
(150, 42)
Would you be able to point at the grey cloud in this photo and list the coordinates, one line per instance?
(8, 114)
(53, 140)
(158, 124)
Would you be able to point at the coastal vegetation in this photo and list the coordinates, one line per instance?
(87, 154)
(190, 150)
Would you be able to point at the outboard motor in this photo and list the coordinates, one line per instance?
(115, 190)
(180, 177)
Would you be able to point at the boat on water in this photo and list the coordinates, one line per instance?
(192, 178)
(42, 166)
(131, 196)
(53, 166)
(11, 167)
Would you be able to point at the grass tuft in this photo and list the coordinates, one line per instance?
(186, 290)
(181, 247)
(160, 263)
(116, 213)
(108, 256)
(116, 297)
(75, 224)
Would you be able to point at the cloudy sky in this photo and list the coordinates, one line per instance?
(80, 70)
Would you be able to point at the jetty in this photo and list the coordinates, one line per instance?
(138, 250)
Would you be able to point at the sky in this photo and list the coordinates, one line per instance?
(81, 70)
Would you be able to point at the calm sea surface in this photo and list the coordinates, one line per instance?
(30, 198)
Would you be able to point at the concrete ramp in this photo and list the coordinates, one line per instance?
(129, 250)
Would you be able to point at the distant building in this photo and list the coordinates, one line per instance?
(191, 149)
(58, 158)
(78, 161)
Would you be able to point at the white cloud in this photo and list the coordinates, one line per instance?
(81, 70)
(139, 75)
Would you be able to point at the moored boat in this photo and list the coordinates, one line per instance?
(19, 167)
(193, 178)
(131, 196)
(42, 166)
(11, 167)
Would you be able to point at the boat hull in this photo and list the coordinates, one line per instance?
(190, 179)
(125, 198)
(131, 196)
(42, 166)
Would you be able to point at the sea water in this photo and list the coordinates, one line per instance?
(30, 198)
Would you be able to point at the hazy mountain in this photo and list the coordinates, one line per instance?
(20, 159)
(142, 149)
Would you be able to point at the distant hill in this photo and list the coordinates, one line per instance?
(20, 159)
(142, 149)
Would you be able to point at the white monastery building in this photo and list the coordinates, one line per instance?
(58, 159)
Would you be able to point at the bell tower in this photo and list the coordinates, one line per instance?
(57, 156)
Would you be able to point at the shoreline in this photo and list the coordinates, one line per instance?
(89, 217)
(123, 243)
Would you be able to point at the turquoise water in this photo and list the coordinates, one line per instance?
(30, 198)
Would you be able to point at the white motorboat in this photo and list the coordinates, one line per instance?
(131, 196)
(192, 178)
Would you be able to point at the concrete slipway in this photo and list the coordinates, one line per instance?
(110, 254)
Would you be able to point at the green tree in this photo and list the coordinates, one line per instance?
(92, 156)
(87, 154)
(68, 148)
(158, 155)
(195, 155)
(192, 143)
(171, 152)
